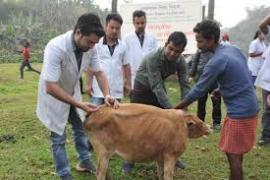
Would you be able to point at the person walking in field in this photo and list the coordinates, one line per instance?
(26, 60)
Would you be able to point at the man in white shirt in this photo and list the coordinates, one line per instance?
(112, 55)
(256, 49)
(263, 81)
(59, 97)
(139, 43)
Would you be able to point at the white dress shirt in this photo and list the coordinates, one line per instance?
(263, 77)
(255, 63)
(136, 52)
(112, 65)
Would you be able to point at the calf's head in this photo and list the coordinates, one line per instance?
(196, 127)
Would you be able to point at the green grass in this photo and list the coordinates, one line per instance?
(27, 156)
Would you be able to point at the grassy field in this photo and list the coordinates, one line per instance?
(25, 148)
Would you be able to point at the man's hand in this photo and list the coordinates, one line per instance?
(268, 100)
(88, 107)
(215, 93)
(111, 101)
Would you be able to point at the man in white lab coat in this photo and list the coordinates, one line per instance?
(59, 97)
(139, 42)
(113, 60)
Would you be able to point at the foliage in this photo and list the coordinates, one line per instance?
(25, 148)
(242, 34)
(37, 21)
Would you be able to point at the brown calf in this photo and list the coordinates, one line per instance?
(141, 133)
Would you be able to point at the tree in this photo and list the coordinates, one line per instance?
(242, 34)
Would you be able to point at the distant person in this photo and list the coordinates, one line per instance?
(228, 67)
(26, 59)
(59, 97)
(198, 61)
(256, 49)
(149, 85)
(263, 81)
(112, 55)
(225, 39)
(139, 42)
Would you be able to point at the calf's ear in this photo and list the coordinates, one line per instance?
(189, 119)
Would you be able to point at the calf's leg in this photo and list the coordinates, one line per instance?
(103, 156)
(160, 169)
(169, 163)
(103, 163)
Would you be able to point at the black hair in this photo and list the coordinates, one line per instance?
(209, 29)
(138, 13)
(258, 32)
(177, 38)
(26, 44)
(89, 23)
(114, 16)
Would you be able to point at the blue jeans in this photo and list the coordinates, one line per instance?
(99, 101)
(58, 144)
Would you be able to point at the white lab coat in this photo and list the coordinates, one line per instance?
(112, 66)
(136, 52)
(60, 65)
(255, 63)
(263, 77)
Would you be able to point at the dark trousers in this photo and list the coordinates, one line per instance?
(26, 63)
(216, 105)
(81, 85)
(265, 116)
(143, 96)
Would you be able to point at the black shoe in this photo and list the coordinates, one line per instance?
(216, 127)
(264, 141)
(127, 167)
(86, 166)
(180, 165)
(67, 177)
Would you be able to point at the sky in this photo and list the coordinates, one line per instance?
(228, 12)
